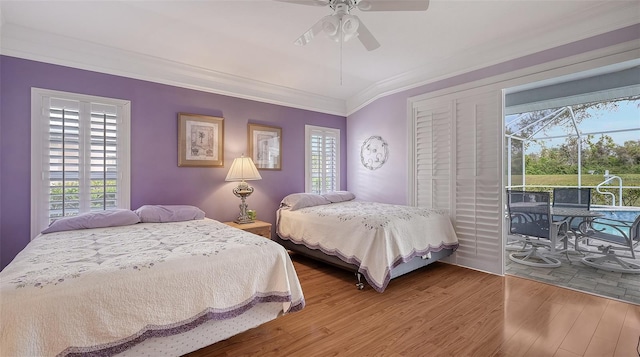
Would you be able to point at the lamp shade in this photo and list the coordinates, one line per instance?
(243, 169)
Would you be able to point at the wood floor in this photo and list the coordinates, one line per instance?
(440, 310)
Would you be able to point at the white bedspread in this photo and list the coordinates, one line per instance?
(98, 290)
(375, 236)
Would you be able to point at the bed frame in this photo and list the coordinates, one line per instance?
(401, 269)
(204, 335)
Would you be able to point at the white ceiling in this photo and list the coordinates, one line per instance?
(245, 48)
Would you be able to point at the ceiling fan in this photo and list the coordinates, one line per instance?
(341, 26)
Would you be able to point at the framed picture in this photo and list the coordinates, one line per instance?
(265, 146)
(200, 140)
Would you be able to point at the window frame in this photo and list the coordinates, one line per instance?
(39, 157)
(326, 131)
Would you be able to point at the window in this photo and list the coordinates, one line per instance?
(322, 159)
(79, 155)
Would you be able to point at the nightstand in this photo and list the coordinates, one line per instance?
(260, 228)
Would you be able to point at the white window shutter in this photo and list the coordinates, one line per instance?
(104, 151)
(457, 153)
(477, 213)
(322, 159)
(432, 128)
(80, 155)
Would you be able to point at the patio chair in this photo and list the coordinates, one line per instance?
(530, 221)
(620, 236)
(572, 197)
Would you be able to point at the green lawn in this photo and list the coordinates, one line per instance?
(572, 180)
(630, 196)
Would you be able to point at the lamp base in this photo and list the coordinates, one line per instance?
(242, 220)
(243, 191)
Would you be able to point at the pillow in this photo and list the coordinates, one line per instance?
(100, 219)
(296, 201)
(168, 213)
(339, 196)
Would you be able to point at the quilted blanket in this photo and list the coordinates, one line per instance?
(375, 236)
(98, 291)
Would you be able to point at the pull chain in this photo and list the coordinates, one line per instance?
(341, 42)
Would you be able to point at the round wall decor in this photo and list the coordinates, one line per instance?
(374, 152)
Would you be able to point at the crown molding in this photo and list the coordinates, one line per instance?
(22, 42)
(400, 83)
(26, 43)
(606, 17)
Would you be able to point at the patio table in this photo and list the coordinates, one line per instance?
(570, 214)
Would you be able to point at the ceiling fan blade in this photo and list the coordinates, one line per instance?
(366, 37)
(311, 33)
(307, 2)
(393, 5)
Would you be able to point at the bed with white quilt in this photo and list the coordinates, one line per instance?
(157, 289)
(375, 240)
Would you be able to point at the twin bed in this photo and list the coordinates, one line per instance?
(160, 289)
(178, 282)
(375, 240)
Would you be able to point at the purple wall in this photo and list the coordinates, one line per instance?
(387, 117)
(155, 176)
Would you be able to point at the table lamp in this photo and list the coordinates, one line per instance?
(242, 169)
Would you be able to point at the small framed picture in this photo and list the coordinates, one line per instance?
(200, 140)
(265, 146)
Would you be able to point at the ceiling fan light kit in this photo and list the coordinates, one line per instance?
(342, 26)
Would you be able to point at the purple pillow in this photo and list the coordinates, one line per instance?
(168, 213)
(99, 219)
(296, 201)
(339, 196)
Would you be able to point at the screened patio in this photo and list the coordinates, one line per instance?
(547, 119)
(523, 135)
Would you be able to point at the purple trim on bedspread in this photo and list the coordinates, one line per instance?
(364, 271)
(182, 326)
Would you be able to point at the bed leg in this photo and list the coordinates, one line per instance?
(359, 284)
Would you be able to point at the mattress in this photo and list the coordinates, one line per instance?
(101, 291)
(376, 237)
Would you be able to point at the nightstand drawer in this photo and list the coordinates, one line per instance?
(261, 231)
(260, 228)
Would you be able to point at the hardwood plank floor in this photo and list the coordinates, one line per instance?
(440, 310)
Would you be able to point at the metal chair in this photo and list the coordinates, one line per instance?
(572, 197)
(530, 221)
(625, 237)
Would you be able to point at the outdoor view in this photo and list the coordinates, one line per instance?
(588, 156)
(592, 139)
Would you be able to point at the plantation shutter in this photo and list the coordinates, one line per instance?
(432, 127)
(80, 155)
(478, 190)
(322, 159)
(457, 153)
(104, 156)
(65, 158)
